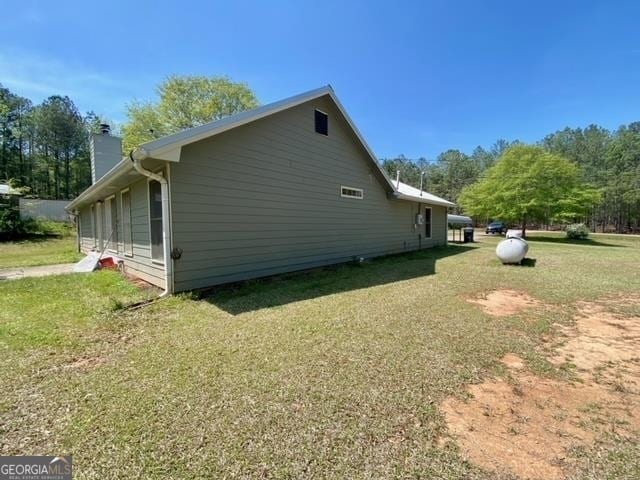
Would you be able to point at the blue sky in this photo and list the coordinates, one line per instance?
(416, 77)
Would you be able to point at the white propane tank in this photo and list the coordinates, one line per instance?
(512, 250)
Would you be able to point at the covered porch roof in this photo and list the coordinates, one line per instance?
(120, 176)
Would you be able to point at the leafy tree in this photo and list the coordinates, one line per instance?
(528, 183)
(143, 126)
(185, 102)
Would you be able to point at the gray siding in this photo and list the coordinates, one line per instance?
(85, 229)
(106, 151)
(140, 263)
(264, 198)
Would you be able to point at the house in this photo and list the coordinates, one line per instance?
(287, 186)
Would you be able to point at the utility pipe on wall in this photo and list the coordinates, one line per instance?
(137, 156)
(76, 214)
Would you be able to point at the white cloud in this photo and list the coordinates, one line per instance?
(37, 77)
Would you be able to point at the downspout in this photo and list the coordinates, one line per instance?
(137, 156)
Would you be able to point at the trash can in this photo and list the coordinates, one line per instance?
(468, 234)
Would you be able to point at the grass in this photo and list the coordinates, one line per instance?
(330, 374)
(57, 244)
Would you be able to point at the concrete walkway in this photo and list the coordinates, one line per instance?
(41, 271)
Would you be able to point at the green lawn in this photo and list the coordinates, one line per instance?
(39, 251)
(330, 374)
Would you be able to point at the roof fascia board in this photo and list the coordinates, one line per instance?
(171, 154)
(412, 198)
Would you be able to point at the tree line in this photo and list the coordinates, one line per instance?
(607, 160)
(44, 148)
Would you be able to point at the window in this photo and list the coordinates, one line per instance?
(127, 238)
(111, 224)
(322, 123)
(155, 221)
(351, 192)
(427, 222)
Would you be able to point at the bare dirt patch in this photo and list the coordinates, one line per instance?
(512, 360)
(599, 337)
(527, 426)
(501, 303)
(85, 363)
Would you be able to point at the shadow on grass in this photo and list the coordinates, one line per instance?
(279, 290)
(569, 241)
(30, 237)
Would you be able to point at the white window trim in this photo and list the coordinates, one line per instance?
(153, 260)
(124, 245)
(430, 224)
(110, 239)
(343, 187)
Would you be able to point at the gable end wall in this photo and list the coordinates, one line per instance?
(264, 198)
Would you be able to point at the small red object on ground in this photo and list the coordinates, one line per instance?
(108, 262)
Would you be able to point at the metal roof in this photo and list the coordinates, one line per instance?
(407, 192)
(459, 220)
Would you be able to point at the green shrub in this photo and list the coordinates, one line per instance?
(12, 226)
(52, 227)
(577, 231)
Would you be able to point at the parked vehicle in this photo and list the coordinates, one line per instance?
(496, 227)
